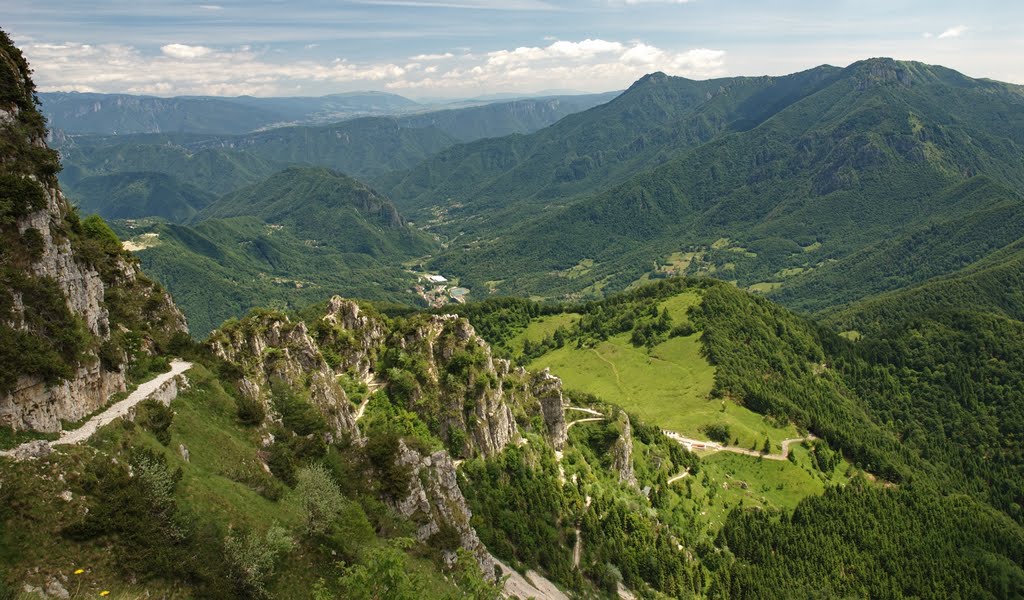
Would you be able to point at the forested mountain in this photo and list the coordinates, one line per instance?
(119, 114)
(880, 153)
(296, 238)
(135, 195)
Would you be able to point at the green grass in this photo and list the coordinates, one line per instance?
(768, 484)
(765, 286)
(670, 386)
(541, 328)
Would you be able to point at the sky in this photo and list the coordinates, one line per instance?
(468, 48)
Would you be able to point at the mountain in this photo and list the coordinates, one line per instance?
(119, 114)
(683, 438)
(215, 171)
(328, 207)
(78, 319)
(655, 117)
(879, 150)
(294, 239)
(132, 195)
(523, 115)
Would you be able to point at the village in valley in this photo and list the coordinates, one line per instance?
(438, 290)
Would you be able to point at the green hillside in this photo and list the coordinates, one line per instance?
(874, 153)
(328, 209)
(133, 195)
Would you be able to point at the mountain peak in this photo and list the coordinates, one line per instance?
(888, 71)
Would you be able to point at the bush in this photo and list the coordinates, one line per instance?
(156, 417)
(250, 410)
(320, 498)
(252, 558)
(718, 432)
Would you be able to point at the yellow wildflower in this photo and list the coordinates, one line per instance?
(105, 593)
(79, 571)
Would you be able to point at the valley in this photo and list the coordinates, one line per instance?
(721, 338)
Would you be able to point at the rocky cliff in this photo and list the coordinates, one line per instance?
(269, 349)
(75, 311)
(435, 503)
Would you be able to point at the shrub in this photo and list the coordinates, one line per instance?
(320, 498)
(156, 417)
(252, 558)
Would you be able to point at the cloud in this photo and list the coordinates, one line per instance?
(178, 69)
(211, 7)
(953, 32)
(658, 1)
(432, 56)
(184, 51)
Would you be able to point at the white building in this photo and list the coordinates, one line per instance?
(436, 279)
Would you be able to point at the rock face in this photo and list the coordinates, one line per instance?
(548, 390)
(435, 502)
(45, 251)
(268, 348)
(457, 385)
(622, 451)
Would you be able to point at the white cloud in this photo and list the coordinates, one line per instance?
(211, 7)
(658, 1)
(953, 32)
(591, 64)
(185, 51)
(432, 56)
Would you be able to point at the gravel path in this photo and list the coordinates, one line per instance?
(119, 409)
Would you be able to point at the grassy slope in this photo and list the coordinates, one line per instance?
(217, 488)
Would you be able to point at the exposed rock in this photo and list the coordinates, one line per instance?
(85, 279)
(183, 451)
(435, 501)
(548, 390)
(33, 449)
(54, 589)
(37, 406)
(463, 389)
(268, 347)
(622, 451)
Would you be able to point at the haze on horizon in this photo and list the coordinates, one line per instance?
(460, 48)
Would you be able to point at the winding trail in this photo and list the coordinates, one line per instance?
(615, 371)
(586, 420)
(692, 444)
(116, 410)
(372, 385)
(675, 478)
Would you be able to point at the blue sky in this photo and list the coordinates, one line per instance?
(464, 48)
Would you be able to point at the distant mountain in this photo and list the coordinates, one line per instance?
(655, 118)
(80, 113)
(134, 195)
(326, 207)
(524, 115)
(769, 181)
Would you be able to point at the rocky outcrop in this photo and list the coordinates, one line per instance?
(35, 405)
(353, 336)
(268, 347)
(622, 451)
(459, 386)
(46, 250)
(435, 503)
(548, 390)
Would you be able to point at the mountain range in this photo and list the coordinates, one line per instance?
(621, 409)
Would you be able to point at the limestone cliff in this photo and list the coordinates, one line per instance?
(268, 349)
(435, 503)
(75, 312)
(548, 390)
(442, 370)
(622, 450)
